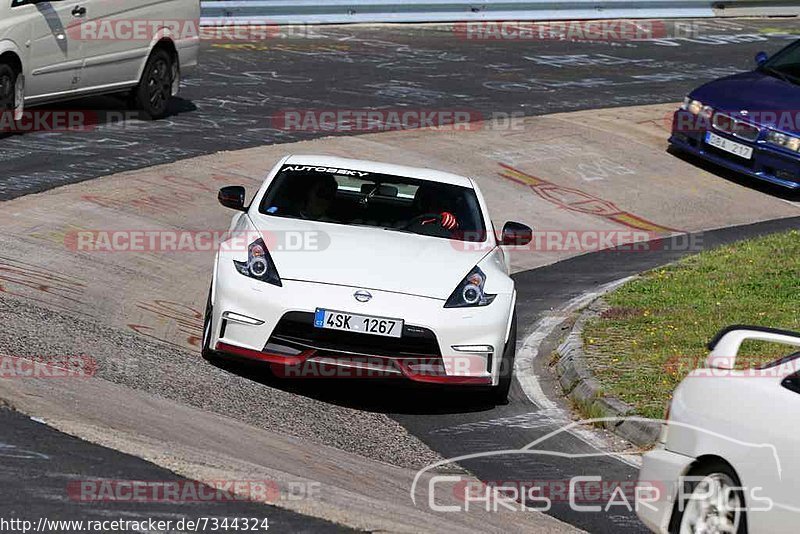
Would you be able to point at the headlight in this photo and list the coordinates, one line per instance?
(695, 107)
(470, 292)
(786, 141)
(259, 264)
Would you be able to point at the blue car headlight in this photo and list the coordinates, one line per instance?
(469, 292)
(783, 140)
(259, 264)
(696, 108)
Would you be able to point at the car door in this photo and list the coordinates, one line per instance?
(117, 38)
(54, 58)
(785, 435)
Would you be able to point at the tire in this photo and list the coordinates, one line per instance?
(8, 84)
(686, 518)
(499, 394)
(152, 95)
(206, 351)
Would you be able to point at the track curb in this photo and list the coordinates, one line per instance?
(581, 386)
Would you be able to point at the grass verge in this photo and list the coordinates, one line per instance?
(657, 326)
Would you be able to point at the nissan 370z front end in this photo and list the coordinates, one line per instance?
(343, 268)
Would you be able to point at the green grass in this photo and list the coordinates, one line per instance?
(659, 324)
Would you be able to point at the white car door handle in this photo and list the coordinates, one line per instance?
(78, 11)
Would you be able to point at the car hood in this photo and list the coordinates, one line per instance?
(367, 257)
(769, 101)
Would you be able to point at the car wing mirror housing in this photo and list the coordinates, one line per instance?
(761, 58)
(233, 197)
(726, 344)
(516, 234)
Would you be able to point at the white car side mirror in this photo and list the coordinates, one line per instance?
(726, 344)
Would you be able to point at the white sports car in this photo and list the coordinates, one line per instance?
(348, 268)
(727, 459)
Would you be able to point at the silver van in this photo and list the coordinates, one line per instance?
(58, 50)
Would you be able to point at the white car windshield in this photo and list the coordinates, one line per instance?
(343, 196)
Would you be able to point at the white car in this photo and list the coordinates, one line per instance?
(348, 268)
(727, 458)
(58, 50)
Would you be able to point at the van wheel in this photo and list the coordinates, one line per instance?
(8, 84)
(155, 88)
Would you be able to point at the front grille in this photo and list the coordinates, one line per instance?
(735, 127)
(297, 329)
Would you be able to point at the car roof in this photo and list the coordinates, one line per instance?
(380, 168)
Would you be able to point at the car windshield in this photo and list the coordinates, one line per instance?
(785, 64)
(357, 198)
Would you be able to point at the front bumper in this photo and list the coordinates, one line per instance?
(768, 163)
(463, 346)
(657, 487)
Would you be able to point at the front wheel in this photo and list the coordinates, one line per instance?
(8, 89)
(499, 394)
(716, 502)
(152, 94)
(206, 351)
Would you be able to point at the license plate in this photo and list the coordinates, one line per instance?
(363, 324)
(732, 147)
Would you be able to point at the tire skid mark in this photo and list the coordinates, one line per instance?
(18, 273)
(188, 320)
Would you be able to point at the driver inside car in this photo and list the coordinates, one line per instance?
(432, 217)
(319, 192)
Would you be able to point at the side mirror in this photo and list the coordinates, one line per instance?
(516, 234)
(761, 58)
(232, 197)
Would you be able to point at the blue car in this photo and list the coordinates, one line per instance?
(748, 122)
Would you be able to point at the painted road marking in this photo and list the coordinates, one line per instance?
(581, 201)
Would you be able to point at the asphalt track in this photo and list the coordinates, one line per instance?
(230, 102)
(38, 463)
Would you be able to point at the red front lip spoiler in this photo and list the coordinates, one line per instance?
(265, 356)
(301, 358)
